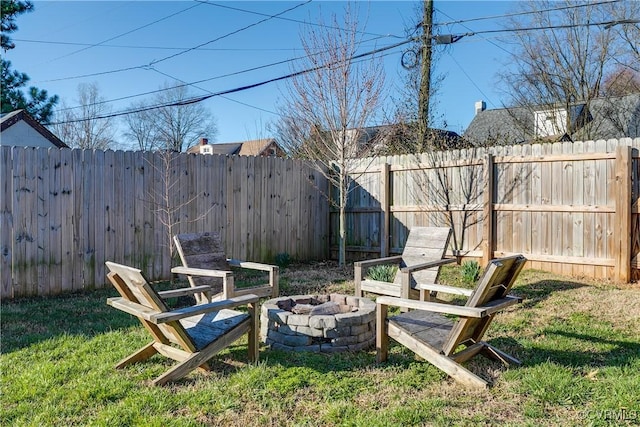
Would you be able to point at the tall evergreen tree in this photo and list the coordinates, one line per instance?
(36, 101)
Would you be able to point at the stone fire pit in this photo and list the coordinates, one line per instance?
(318, 323)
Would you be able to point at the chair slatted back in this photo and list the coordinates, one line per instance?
(203, 250)
(495, 283)
(424, 244)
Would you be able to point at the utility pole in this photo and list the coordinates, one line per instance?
(425, 76)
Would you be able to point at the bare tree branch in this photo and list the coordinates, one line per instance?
(326, 112)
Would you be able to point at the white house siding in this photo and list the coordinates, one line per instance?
(22, 135)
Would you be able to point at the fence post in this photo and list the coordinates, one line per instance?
(386, 210)
(488, 232)
(622, 250)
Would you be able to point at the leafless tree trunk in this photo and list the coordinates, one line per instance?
(164, 197)
(173, 127)
(79, 127)
(140, 128)
(325, 111)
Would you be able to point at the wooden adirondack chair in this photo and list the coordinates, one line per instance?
(419, 265)
(436, 338)
(190, 335)
(204, 263)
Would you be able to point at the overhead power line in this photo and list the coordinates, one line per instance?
(269, 17)
(125, 33)
(123, 46)
(292, 20)
(442, 38)
(157, 61)
(449, 38)
(509, 15)
(235, 73)
(197, 99)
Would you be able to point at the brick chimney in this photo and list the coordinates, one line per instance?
(480, 106)
(204, 141)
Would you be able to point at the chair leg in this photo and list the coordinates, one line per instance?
(198, 359)
(274, 280)
(143, 354)
(440, 361)
(493, 353)
(357, 280)
(382, 339)
(253, 333)
(183, 368)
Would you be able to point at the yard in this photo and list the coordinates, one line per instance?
(579, 341)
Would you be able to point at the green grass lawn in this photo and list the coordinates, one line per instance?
(579, 341)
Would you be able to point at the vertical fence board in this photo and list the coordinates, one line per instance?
(42, 236)
(89, 212)
(66, 220)
(488, 213)
(126, 238)
(100, 177)
(557, 185)
(55, 216)
(6, 221)
(577, 229)
(78, 235)
(20, 187)
(590, 183)
(141, 206)
(622, 249)
(30, 276)
(110, 215)
(567, 217)
(536, 199)
(601, 199)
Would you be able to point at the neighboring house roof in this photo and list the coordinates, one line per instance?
(19, 128)
(613, 118)
(603, 118)
(385, 135)
(257, 147)
(513, 124)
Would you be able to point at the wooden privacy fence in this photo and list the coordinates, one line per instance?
(63, 212)
(570, 208)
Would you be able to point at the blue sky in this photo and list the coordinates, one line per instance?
(60, 41)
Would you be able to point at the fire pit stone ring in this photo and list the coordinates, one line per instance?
(318, 323)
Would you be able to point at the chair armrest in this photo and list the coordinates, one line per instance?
(131, 307)
(154, 316)
(378, 261)
(201, 272)
(501, 304)
(457, 310)
(426, 265)
(444, 288)
(181, 313)
(434, 307)
(172, 293)
(252, 265)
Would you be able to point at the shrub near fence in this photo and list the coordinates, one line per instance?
(571, 208)
(63, 212)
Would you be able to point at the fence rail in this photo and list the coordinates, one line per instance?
(63, 212)
(571, 208)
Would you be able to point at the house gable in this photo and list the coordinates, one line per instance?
(21, 129)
